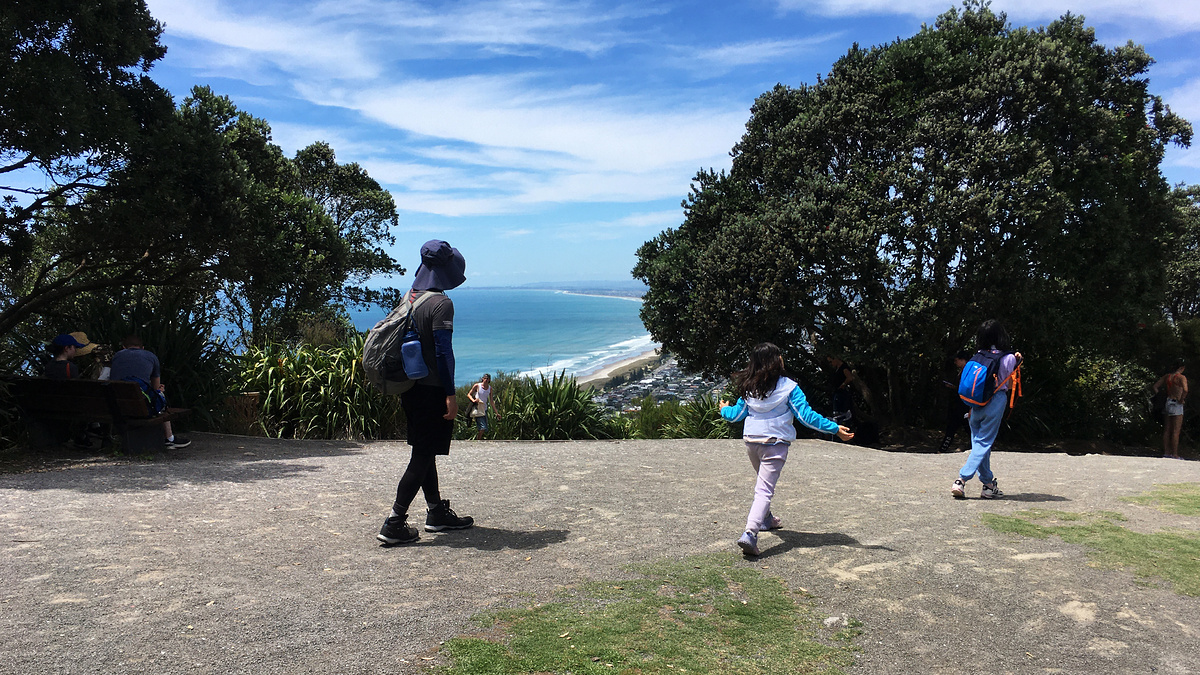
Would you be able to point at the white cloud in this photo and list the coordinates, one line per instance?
(621, 227)
(507, 112)
(1172, 16)
(512, 144)
(516, 233)
(652, 219)
(357, 39)
(502, 27)
(1185, 101)
(727, 57)
(291, 45)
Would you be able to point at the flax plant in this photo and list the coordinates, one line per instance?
(318, 392)
(554, 408)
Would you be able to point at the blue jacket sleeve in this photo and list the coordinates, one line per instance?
(807, 416)
(443, 352)
(736, 412)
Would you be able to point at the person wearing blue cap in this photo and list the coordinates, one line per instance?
(64, 348)
(430, 406)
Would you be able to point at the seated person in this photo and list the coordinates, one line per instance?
(64, 348)
(135, 364)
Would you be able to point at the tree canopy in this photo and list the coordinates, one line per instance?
(972, 171)
(1183, 269)
(108, 185)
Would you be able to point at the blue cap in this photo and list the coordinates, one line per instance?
(67, 340)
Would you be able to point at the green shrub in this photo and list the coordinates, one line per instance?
(653, 418)
(698, 418)
(554, 408)
(311, 391)
(1097, 397)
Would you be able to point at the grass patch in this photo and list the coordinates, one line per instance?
(1181, 498)
(700, 615)
(1170, 555)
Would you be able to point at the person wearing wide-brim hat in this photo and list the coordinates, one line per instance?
(64, 348)
(430, 406)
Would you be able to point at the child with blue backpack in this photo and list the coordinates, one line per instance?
(769, 400)
(987, 381)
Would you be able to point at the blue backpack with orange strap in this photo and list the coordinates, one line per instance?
(981, 378)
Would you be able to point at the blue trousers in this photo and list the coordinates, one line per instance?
(985, 425)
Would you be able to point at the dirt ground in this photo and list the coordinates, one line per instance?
(254, 555)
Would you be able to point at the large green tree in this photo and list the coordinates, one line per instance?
(974, 170)
(74, 97)
(1183, 268)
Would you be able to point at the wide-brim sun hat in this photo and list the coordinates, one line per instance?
(87, 347)
(442, 267)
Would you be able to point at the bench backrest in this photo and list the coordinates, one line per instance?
(99, 399)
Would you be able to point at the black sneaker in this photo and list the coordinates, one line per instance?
(395, 530)
(442, 517)
(178, 443)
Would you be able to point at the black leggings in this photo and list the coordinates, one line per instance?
(429, 435)
(421, 474)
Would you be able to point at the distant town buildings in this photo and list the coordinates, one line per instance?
(664, 382)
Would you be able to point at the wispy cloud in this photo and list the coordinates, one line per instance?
(1185, 101)
(725, 58)
(292, 45)
(510, 111)
(619, 228)
(1173, 16)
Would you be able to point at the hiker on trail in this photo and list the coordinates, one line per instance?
(430, 405)
(993, 344)
(956, 410)
(769, 400)
(1177, 391)
(480, 397)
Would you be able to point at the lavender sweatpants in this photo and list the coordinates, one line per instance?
(767, 461)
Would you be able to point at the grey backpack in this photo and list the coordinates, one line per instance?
(382, 361)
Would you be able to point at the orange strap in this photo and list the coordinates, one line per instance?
(1015, 376)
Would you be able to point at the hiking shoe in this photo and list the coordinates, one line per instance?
(178, 443)
(442, 517)
(959, 490)
(772, 522)
(395, 530)
(991, 491)
(748, 543)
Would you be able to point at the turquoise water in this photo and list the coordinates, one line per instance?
(535, 332)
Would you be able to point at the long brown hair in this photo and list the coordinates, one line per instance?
(760, 377)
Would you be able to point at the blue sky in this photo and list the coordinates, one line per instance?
(548, 139)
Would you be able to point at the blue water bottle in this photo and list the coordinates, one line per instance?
(413, 359)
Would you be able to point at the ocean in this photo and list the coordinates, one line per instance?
(534, 331)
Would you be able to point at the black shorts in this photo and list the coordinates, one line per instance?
(429, 431)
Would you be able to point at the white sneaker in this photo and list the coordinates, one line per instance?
(958, 491)
(991, 491)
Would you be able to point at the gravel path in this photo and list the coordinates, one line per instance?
(258, 556)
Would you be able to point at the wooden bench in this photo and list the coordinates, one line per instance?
(48, 405)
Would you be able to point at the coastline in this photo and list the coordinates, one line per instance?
(597, 379)
(599, 294)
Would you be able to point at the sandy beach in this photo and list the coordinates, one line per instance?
(598, 378)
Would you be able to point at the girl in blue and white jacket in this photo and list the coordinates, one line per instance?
(768, 403)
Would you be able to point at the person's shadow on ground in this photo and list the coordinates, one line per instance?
(1032, 497)
(491, 539)
(793, 540)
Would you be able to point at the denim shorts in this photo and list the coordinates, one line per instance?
(1173, 408)
(481, 423)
